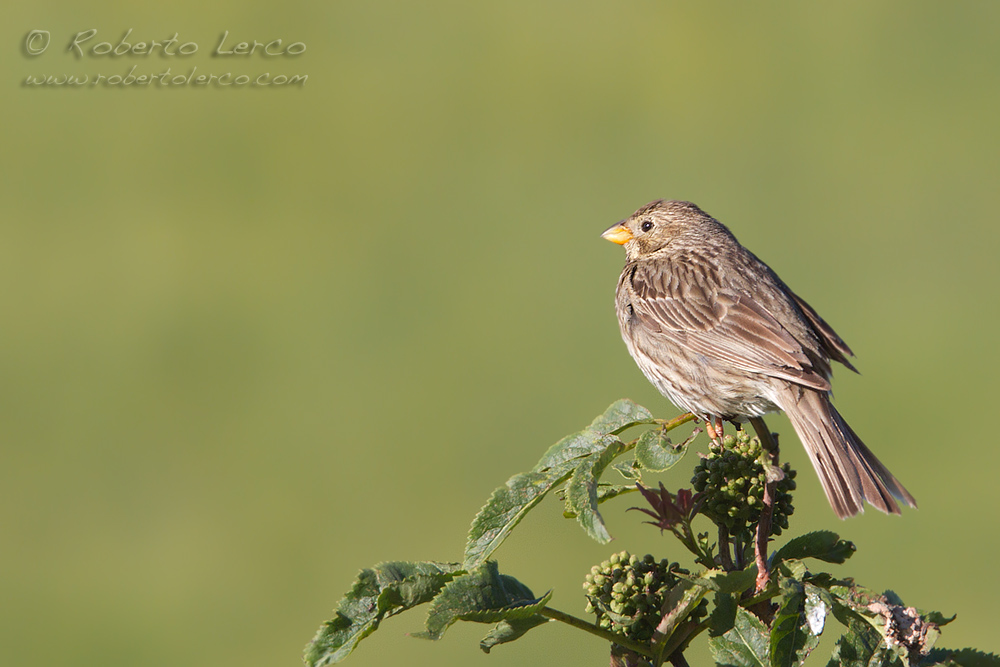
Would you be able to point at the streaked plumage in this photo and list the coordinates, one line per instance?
(719, 334)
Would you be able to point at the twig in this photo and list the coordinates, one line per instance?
(579, 623)
(724, 557)
(677, 659)
(670, 424)
(770, 446)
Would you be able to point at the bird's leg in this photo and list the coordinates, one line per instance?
(714, 427)
(770, 446)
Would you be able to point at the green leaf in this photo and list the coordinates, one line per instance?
(511, 502)
(842, 594)
(745, 645)
(377, 593)
(604, 492)
(483, 596)
(937, 617)
(817, 607)
(791, 639)
(571, 450)
(723, 617)
(581, 492)
(681, 601)
(967, 657)
(890, 596)
(620, 415)
(509, 630)
(629, 470)
(725, 582)
(656, 453)
(609, 491)
(860, 646)
(502, 512)
(791, 567)
(824, 545)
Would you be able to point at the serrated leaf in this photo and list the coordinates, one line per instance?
(567, 453)
(682, 599)
(892, 597)
(785, 627)
(938, 658)
(745, 645)
(377, 593)
(823, 545)
(511, 502)
(723, 617)
(851, 601)
(725, 582)
(860, 646)
(609, 491)
(628, 469)
(620, 415)
(817, 608)
(937, 617)
(655, 452)
(604, 492)
(502, 512)
(966, 657)
(483, 596)
(581, 491)
(791, 567)
(791, 641)
(509, 630)
(842, 593)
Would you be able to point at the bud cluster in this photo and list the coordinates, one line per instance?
(627, 593)
(731, 479)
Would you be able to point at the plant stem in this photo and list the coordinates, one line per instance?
(724, 557)
(677, 659)
(738, 550)
(580, 624)
(770, 446)
(670, 424)
(666, 425)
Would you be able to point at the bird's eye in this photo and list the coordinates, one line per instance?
(646, 226)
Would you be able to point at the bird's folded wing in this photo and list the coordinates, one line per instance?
(720, 323)
(834, 344)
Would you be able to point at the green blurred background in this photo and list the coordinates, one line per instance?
(255, 339)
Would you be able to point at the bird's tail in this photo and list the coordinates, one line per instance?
(848, 470)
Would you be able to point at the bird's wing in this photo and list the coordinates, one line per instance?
(683, 303)
(834, 344)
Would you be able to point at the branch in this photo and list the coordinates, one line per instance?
(770, 446)
(580, 624)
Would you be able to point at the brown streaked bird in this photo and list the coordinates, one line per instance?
(719, 334)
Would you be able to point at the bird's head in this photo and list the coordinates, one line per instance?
(657, 224)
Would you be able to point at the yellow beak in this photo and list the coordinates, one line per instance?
(618, 233)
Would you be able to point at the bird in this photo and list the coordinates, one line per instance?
(720, 335)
